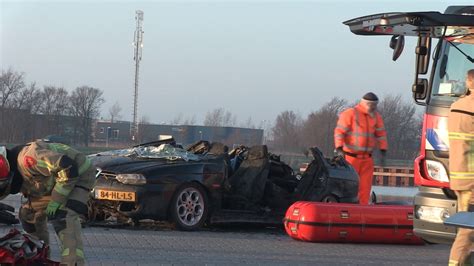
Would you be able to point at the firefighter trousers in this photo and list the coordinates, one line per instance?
(365, 168)
(462, 245)
(66, 224)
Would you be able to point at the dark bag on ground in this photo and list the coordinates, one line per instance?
(6, 214)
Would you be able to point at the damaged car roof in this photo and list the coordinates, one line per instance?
(162, 151)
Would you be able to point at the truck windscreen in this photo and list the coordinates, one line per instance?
(453, 63)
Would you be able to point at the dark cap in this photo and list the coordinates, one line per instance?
(370, 96)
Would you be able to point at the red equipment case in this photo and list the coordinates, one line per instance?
(351, 223)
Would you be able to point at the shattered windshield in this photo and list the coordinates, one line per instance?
(163, 151)
(451, 68)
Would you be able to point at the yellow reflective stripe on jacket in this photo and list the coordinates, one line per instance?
(343, 127)
(63, 176)
(80, 253)
(360, 134)
(461, 175)
(453, 263)
(358, 148)
(58, 147)
(65, 252)
(461, 136)
(43, 164)
(59, 187)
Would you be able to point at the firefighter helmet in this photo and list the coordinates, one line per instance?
(5, 174)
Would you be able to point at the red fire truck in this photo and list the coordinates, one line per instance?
(449, 39)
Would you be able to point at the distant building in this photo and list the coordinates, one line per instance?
(118, 133)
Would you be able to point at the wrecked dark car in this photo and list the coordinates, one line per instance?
(207, 183)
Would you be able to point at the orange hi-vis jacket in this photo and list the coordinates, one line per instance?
(358, 132)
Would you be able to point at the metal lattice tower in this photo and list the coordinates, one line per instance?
(138, 44)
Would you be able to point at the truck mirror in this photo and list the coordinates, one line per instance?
(397, 42)
(423, 51)
(419, 89)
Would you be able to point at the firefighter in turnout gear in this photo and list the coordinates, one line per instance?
(56, 181)
(358, 131)
(461, 166)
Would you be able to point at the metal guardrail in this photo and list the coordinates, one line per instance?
(389, 176)
(393, 176)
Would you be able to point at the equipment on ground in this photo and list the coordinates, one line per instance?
(18, 248)
(351, 223)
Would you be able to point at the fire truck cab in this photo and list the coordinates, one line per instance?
(449, 39)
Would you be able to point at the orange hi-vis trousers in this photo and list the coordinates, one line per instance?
(364, 166)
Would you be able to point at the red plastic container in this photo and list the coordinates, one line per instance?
(351, 223)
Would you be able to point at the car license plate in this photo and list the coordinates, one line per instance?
(114, 195)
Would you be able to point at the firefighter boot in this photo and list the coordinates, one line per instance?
(68, 228)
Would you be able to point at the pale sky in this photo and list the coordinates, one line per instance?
(253, 58)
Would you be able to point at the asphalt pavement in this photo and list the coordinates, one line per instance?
(159, 244)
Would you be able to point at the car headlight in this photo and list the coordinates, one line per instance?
(131, 179)
(437, 171)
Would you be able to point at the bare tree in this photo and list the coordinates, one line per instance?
(181, 120)
(85, 106)
(287, 130)
(29, 98)
(61, 102)
(114, 112)
(248, 124)
(319, 126)
(11, 84)
(267, 127)
(177, 120)
(190, 120)
(144, 120)
(143, 133)
(49, 100)
(22, 113)
(220, 118)
(403, 125)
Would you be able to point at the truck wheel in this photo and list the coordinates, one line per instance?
(189, 207)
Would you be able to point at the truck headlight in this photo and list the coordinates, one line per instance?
(432, 214)
(131, 179)
(437, 171)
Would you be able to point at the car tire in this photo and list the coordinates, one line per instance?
(329, 198)
(189, 207)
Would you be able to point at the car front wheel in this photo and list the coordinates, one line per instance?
(329, 198)
(189, 209)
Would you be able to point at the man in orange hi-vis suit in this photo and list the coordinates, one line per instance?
(358, 131)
